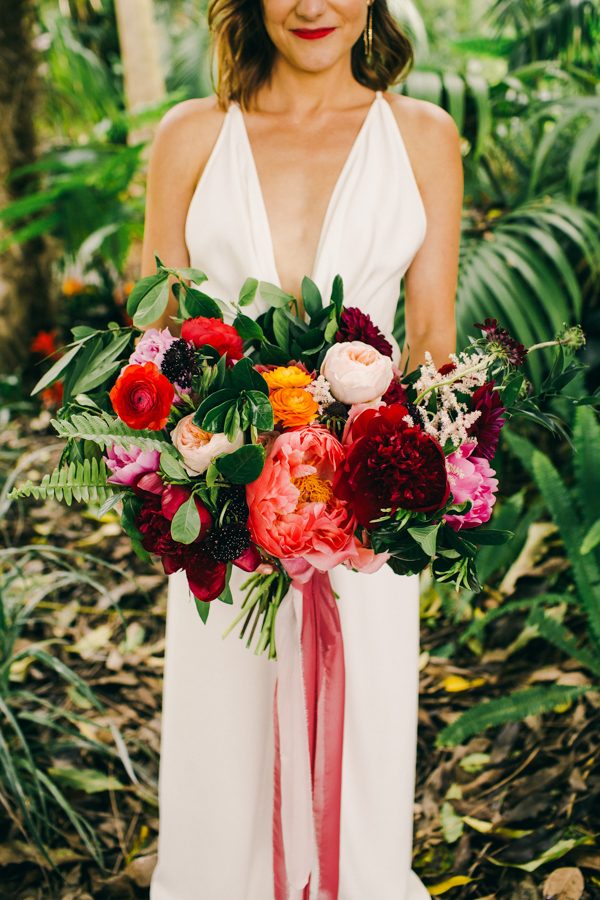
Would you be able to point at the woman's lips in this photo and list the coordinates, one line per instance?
(311, 34)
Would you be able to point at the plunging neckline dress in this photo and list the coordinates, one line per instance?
(217, 742)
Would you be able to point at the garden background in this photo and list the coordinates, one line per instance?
(508, 771)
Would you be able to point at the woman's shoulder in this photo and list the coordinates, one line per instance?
(186, 134)
(430, 133)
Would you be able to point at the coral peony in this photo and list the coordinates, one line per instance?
(293, 512)
(293, 407)
(471, 478)
(224, 338)
(356, 372)
(198, 448)
(391, 465)
(142, 397)
(128, 465)
(355, 325)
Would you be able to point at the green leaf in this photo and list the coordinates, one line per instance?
(591, 539)
(89, 780)
(274, 295)
(311, 297)
(426, 537)
(194, 303)
(194, 275)
(214, 420)
(248, 328)
(106, 431)
(211, 402)
(203, 607)
(231, 425)
(141, 288)
(330, 330)
(81, 481)
(248, 292)
(153, 305)
(242, 466)
(185, 526)
(491, 536)
(242, 376)
(281, 330)
(57, 369)
(172, 467)
(102, 365)
(337, 294)
(260, 410)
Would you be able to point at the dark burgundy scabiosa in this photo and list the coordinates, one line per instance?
(355, 325)
(502, 343)
(487, 427)
(391, 464)
(179, 363)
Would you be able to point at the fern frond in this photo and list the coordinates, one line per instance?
(84, 482)
(586, 440)
(513, 708)
(106, 431)
(585, 569)
(564, 639)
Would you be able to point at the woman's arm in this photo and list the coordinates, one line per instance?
(179, 152)
(430, 281)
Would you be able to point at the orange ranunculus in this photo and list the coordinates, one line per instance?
(293, 407)
(286, 377)
(142, 397)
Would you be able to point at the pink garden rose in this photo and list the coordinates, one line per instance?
(198, 448)
(293, 512)
(356, 372)
(151, 347)
(128, 466)
(471, 478)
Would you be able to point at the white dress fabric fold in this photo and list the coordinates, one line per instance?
(217, 741)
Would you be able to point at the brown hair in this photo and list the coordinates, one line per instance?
(244, 51)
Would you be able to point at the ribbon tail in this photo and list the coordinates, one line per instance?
(293, 824)
(308, 729)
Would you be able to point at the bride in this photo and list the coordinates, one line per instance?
(301, 163)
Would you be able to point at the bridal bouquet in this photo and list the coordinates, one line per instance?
(288, 443)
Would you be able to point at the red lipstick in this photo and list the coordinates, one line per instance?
(311, 34)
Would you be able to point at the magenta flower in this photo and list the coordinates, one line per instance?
(486, 429)
(128, 466)
(355, 325)
(502, 343)
(471, 478)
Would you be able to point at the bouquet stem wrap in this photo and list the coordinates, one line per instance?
(308, 727)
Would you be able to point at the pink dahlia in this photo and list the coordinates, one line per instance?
(293, 512)
(356, 325)
(471, 478)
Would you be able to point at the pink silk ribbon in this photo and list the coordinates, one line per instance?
(308, 712)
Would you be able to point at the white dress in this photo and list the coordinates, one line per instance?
(217, 754)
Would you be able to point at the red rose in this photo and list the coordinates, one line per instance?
(142, 397)
(224, 338)
(391, 464)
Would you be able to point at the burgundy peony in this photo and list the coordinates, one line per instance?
(224, 338)
(486, 429)
(355, 325)
(396, 393)
(391, 464)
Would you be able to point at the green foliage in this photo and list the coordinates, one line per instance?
(84, 482)
(106, 431)
(513, 708)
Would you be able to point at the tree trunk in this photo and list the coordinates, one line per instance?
(144, 82)
(25, 305)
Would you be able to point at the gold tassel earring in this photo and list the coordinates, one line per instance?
(368, 35)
